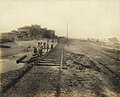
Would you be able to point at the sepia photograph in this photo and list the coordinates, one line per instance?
(59, 48)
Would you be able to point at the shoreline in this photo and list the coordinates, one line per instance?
(18, 49)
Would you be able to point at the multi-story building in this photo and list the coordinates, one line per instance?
(6, 37)
(33, 32)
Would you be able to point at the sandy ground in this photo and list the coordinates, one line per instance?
(81, 78)
(20, 46)
(10, 55)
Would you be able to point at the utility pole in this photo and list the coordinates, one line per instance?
(67, 32)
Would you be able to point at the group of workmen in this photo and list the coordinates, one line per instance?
(42, 46)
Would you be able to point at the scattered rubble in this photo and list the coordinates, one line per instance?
(80, 78)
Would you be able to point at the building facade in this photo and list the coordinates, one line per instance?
(33, 32)
(6, 37)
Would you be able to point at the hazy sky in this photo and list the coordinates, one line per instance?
(85, 18)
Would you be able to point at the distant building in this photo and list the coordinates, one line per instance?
(112, 40)
(49, 34)
(6, 37)
(33, 32)
(23, 32)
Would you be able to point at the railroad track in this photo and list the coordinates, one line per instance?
(105, 68)
(116, 58)
(53, 58)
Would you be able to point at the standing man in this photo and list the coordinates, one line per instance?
(51, 44)
(47, 47)
(44, 46)
(40, 49)
(35, 50)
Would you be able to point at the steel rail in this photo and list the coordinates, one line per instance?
(30, 65)
(58, 89)
(106, 54)
(117, 76)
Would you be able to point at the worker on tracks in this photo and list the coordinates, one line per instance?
(47, 47)
(52, 45)
(40, 48)
(35, 50)
(44, 46)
